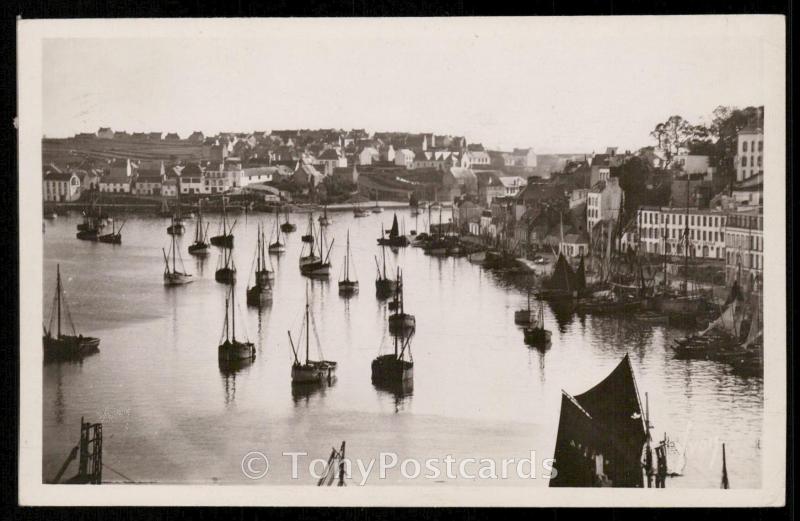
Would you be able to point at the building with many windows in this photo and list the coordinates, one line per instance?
(744, 249)
(749, 159)
(61, 186)
(663, 228)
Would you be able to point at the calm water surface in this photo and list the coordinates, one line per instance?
(171, 415)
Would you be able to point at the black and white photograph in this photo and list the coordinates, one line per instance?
(484, 260)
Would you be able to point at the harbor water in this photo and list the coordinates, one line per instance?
(170, 414)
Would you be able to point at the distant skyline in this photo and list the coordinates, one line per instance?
(567, 85)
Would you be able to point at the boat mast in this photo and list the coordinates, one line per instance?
(174, 267)
(686, 238)
(233, 312)
(58, 296)
(347, 259)
(307, 325)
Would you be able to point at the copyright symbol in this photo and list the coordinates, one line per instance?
(255, 465)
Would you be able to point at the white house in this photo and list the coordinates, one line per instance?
(329, 159)
(367, 155)
(603, 202)
(404, 157)
(475, 158)
(61, 187)
(513, 185)
(744, 249)
(575, 244)
(697, 166)
(663, 230)
(149, 181)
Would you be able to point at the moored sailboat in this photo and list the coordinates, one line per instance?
(230, 349)
(287, 226)
(226, 270)
(176, 227)
(400, 322)
(115, 237)
(313, 266)
(200, 246)
(347, 286)
(377, 208)
(384, 286)
(277, 246)
(392, 369)
(395, 239)
(261, 292)
(310, 371)
(225, 239)
(537, 335)
(173, 277)
(56, 344)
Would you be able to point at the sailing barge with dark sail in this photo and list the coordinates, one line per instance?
(562, 284)
(602, 434)
(394, 240)
(60, 346)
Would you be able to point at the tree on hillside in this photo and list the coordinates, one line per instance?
(633, 175)
(725, 127)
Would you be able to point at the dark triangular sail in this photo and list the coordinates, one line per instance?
(601, 434)
(395, 231)
(563, 277)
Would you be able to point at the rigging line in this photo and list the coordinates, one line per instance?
(105, 465)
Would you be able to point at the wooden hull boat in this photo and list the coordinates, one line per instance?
(313, 372)
(385, 287)
(537, 337)
(276, 247)
(176, 229)
(176, 278)
(402, 323)
(69, 347)
(348, 287)
(88, 235)
(316, 269)
(388, 370)
(288, 227)
(111, 238)
(225, 241)
(258, 296)
(225, 275)
(235, 350)
(199, 248)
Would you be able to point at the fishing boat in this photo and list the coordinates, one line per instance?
(173, 277)
(225, 239)
(226, 269)
(177, 227)
(309, 371)
(537, 335)
(394, 239)
(310, 256)
(309, 235)
(347, 286)
(230, 349)
(400, 322)
(524, 317)
(88, 235)
(200, 246)
(384, 286)
(323, 219)
(288, 227)
(313, 266)
(93, 217)
(393, 369)
(602, 434)
(562, 283)
(277, 246)
(56, 344)
(261, 292)
(115, 237)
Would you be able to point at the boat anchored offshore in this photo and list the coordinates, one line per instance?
(377, 208)
(225, 239)
(537, 335)
(230, 349)
(200, 246)
(277, 246)
(60, 346)
(384, 286)
(176, 227)
(226, 270)
(347, 286)
(392, 369)
(400, 322)
(115, 237)
(310, 371)
(261, 292)
(288, 227)
(524, 317)
(394, 239)
(173, 277)
(313, 266)
(323, 219)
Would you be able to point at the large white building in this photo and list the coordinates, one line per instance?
(61, 187)
(744, 249)
(706, 230)
(749, 159)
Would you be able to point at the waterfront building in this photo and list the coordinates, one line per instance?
(404, 157)
(706, 231)
(744, 249)
(575, 244)
(149, 181)
(61, 187)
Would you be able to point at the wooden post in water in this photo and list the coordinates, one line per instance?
(725, 484)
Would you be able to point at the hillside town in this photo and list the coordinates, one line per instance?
(688, 183)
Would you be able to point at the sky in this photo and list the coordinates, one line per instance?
(566, 85)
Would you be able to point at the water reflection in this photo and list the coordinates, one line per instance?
(229, 370)
(302, 393)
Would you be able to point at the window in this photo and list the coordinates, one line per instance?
(759, 160)
(760, 145)
(744, 161)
